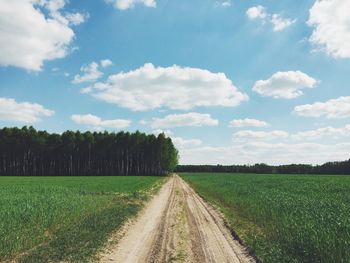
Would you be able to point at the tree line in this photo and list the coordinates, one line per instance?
(342, 167)
(26, 151)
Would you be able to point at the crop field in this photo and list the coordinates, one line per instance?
(51, 219)
(283, 218)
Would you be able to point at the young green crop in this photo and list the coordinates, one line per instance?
(51, 219)
(293, 218)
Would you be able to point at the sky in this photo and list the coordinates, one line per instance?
(230, 81)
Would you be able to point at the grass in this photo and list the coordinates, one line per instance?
(54, 219)
(294, 218)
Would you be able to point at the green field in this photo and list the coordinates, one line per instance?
(51, 219)
(294, 218)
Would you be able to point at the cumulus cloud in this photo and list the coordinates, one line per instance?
(23, 112)
(127, 4)
(286, 85)
(174, 87)
(331, 109)
(35, 31)
(331, 31)
(105, 63)
(90, 73)
(98, 123)
(192, 119)
(278, 22)
(257, 12)
(247, 123)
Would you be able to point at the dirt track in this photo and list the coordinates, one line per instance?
(177, 226)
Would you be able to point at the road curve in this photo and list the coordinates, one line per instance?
(177, 226)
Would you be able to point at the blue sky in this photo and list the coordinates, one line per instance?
(230, 81)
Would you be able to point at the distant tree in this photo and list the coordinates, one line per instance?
(327, 168)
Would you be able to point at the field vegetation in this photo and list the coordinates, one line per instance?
(283, 218)
(55, 219)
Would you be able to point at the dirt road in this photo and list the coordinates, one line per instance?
(177, 226)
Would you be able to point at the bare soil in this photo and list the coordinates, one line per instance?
(176, 226)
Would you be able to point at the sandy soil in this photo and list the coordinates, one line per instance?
(177, 226)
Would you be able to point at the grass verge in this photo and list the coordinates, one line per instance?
(283, 218)
(55, 219)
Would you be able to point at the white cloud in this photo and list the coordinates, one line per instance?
(247, 123)
(247, 135)
(181, 143)
(278, 22)
(91, 73)
(127, 4)
(174, 87)
(23, 112)
(105, 63)
(98, 123)
(225, 3)
(77, 18)
(34, 31)
(286, 85)
(256, 12)
(331, 109)
(192, 119)
(331, 22)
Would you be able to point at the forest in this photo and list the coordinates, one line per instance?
(27, 151)
(326, 168)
